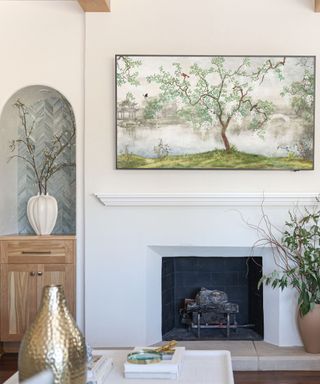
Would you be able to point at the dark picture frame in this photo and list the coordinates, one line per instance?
(215, 112)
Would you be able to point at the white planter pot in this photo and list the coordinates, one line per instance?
(42, 211)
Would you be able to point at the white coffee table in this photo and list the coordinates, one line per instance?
(199, 367)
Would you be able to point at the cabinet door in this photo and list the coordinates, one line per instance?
(62, 274)
(18, 299)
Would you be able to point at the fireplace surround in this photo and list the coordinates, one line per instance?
(133, 232)
(279, 307)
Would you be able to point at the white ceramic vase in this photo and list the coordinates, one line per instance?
(42, 211)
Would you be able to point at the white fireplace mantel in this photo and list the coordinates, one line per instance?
(206, 199)
(135, 241)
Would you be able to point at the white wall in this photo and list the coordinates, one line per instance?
(8, 182)
(42, 42)
(246, 27)
(117, 239)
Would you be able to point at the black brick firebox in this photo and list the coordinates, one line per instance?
(183, 277)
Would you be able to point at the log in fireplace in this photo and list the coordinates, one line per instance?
(210, 309)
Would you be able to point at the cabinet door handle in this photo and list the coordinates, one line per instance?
(40, 273)
(36, 252)
(32, 273)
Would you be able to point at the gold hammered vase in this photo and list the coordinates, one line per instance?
(54, 342)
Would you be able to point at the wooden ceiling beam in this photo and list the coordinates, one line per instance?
(95, 5)
(104, 5)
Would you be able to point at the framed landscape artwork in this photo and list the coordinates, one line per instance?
(215, 112)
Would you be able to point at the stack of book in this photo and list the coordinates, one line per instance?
(101, 366)
(168, 368)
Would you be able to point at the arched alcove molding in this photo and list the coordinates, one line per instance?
(52, 115)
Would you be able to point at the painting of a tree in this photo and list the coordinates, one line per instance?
(217, 112)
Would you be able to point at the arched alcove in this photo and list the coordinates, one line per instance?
(45, 117)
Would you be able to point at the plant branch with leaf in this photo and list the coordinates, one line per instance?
(51, 161)
(296, 253)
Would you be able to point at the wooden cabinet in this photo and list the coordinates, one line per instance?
(28, 263)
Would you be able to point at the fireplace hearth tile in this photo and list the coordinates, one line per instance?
(241, 348)
(259, 355)
(289, 363)
(245, 363)
(267, 349)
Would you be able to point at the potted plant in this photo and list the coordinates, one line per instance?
(44, 162)
(297, 255)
